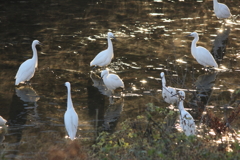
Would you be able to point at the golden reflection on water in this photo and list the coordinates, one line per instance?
(151, 39)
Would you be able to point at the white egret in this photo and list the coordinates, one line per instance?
(169, 94)
(104, 57)
(201, 54)
(27, 68)
(2, 121)
(111, 81)
(221, 10)
(186, 120)
(70, 116)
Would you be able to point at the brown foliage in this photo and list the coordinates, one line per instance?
(72, 150)
(217, 124)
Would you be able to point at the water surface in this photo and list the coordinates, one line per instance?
(151, 39)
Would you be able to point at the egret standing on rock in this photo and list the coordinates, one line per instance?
(104, 58)
(169, 94)
(221, 10)
(27, 68)
(111, 81)
(201, 54)
(70, 116)
(186, 120)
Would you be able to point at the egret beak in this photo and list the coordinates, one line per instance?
(174, 95)
(188, 35)
(41, 44)
(115, 38)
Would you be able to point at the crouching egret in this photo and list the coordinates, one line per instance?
(111, 81)
(2, 121)
(221, 10)
(201, 54)
(27, 68)
(70, 116)
(186, 120)
(104, 57)
(169, 94)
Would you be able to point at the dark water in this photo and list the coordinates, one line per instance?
(151, 39)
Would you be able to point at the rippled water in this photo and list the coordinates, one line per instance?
(151, 39)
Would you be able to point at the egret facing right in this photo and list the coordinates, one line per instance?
(105, 57)
(70, 116)
(221, 10)
(201, 54)
(27, 68)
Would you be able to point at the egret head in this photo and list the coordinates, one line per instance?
(67, 84)
(36, 42)
(104, 72)
(162, 74)
(193, 34)
(111, 35)
(181, 95)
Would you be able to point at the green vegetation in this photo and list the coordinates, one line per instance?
(146, 137)
(152, 136)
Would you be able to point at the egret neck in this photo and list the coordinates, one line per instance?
(69, 99)
(180, 105)
(110, 46)
(194, 45)
(35, 57)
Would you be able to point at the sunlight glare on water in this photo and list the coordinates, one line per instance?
(150, 40)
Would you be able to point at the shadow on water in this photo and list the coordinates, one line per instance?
(220, 42)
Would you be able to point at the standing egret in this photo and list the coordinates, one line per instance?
(201, 54)
(169, 94)
(186, 120)
(27, 68)
(104, 57)
(70, 116)
(221, 10)
(2, 121)
(111, 81)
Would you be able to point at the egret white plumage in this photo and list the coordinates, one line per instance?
(186, 120)
(27, 68)
(221, 10)
(2, 121)
(169, 94)
(104, 57)
(201, 54)
(70, 116)
(111, 81)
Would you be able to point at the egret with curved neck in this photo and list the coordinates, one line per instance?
(221, 10)
(201, 54)
(70, 116)
(104, 57)
(27, 69)
(111, 81)
(169, 94)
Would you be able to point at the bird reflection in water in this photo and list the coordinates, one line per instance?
(204, 84)
(28, 94)
(98, 83)
(220, 42)
(113, 113)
